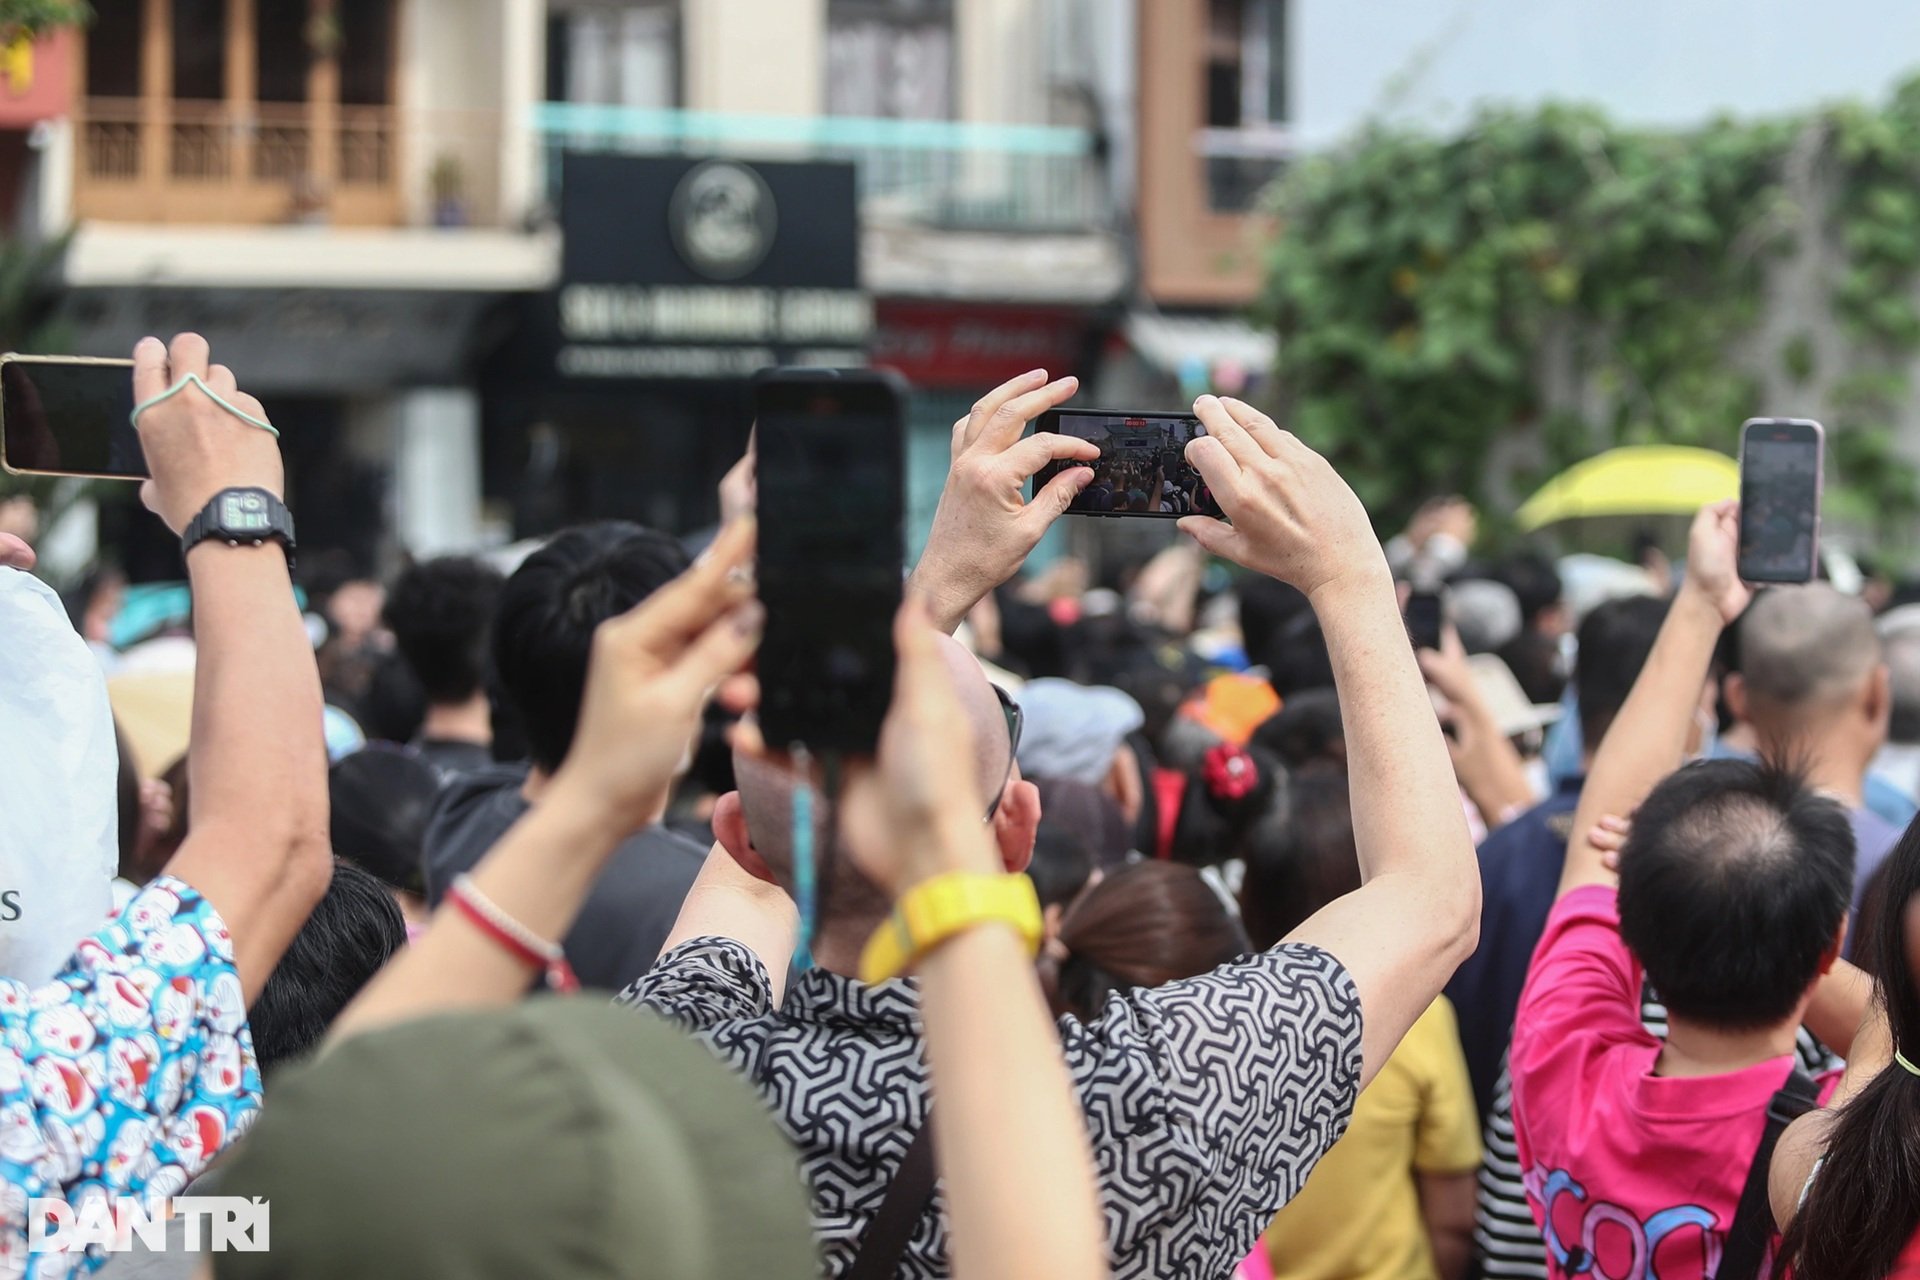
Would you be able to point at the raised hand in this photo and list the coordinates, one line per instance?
(1713, 559)
(194, 447)
(916, 811)
(1293, 517)
(985, 527)
(649, 678)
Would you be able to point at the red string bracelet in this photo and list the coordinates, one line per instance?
(511, 936)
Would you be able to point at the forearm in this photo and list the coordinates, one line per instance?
(258, 846)
(1491, 772)
(1452, 1248)
(1648, 738)
(986, 1024)
(1407, 818)
(950, 594)
(727, 902)
(539, 873)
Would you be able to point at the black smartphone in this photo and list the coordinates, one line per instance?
(69, 416)
(831, 479)
(1142, 468)
(1424, 614)
(1781, 474)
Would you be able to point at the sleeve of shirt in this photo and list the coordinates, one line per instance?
(1447, 1139)
(132, 1068)
(703, 982)
(1582, 998)
(1209, 1101)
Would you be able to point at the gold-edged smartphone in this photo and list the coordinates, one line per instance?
(69, 416)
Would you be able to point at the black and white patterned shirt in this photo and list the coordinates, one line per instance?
(1208, 1100)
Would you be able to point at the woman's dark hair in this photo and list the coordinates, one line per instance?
(1146, 924)
(1224, 797)
(1307, 729)
(382, 798)
(1301, 856)
(1864, 1206)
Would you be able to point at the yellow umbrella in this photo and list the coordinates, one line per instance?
(1638, 480)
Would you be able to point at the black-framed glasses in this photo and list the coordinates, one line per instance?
(1015, 718)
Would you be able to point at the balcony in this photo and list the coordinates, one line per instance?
(936, 174)
(204, 163)
(1241, 164)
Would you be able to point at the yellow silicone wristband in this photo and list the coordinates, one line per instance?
(932, 912)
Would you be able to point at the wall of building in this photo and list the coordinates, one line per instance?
(756, 56)
(1648, 61)
(1189, 254)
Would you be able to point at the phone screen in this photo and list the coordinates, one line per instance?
(1142, 469)
(831, 488)
(1423, 619)
(1779, 500)
(69, 417)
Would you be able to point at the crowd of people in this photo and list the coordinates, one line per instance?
(468, 922)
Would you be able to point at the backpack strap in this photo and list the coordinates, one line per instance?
(1751, 1231)
(909, 1195)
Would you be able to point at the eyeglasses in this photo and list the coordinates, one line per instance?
(1015, 718)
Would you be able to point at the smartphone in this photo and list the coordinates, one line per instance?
(1142, 468)
(1781, 472)
(69, 416)
(1423, 616)
(831, 481)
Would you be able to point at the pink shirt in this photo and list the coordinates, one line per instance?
(1641, 1172)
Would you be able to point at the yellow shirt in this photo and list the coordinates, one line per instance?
(1358, 1217)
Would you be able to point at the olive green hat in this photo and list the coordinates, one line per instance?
(555, 1139)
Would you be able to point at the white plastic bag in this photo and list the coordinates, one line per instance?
(59, 773)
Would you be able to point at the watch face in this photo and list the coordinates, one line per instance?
(245, 513)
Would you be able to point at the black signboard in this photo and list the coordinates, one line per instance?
(677, 266)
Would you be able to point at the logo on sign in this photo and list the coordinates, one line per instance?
(723, 219)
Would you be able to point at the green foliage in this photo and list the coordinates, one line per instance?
(32, 18)
(1427, 289)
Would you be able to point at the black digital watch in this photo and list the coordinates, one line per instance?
(242, 518)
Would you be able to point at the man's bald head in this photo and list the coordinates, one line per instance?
(1804, 652)
(766, 789)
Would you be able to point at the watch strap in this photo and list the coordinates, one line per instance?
(935, 910)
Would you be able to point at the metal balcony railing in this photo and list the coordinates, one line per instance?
(941, 173)
(1242, 163)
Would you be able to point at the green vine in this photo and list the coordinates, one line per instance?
(1546, 284)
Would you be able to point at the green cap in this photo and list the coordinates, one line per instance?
(556, 1138)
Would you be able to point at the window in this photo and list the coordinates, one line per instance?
(1244, 141)
(366, 52)
(281, 56)
(113, 49)
(620, 55)
(199, 50)
(890, 58)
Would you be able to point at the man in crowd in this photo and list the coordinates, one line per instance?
(1520, 862)
(439, 612)
(1813, 686)
(542, 636)
(1732, 894)
(1210, 1100)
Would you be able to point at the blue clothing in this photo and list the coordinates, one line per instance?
(1873, 839)
(1889, 802)
(1520, 868)
(129, 1071)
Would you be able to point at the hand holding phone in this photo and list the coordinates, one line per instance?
(1142, 469)
(1781, 474)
